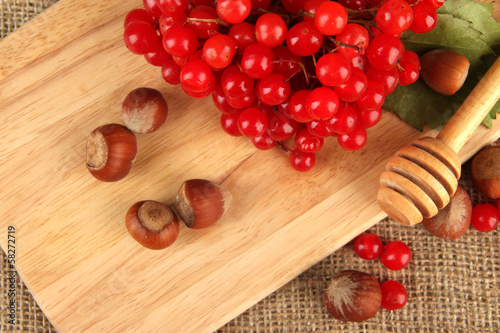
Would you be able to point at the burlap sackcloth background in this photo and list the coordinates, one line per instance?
(453, 286)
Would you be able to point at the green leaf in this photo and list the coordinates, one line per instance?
(467, 27)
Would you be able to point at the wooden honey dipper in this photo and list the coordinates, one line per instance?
(421, 177)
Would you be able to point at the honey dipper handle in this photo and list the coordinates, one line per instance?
(474, 109)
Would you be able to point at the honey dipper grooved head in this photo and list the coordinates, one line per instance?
(419, 180)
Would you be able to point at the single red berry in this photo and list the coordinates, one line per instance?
(171, 72)
(263, 142)
(411, 56)
(303, 39)
(244, 35)
(219, 50)
(368, 118)
(425, 18)
(354, 87)
(270, 30)
(197, 77)
(167, 21)
(287, 63)
(373, 97)
(242, 102)
(229, 123)
(235, 83)
(234, 11)
(220, 101)
(319, 128)
(140, 37)
(138, 14)
(389, 78)
(355, 39)
(330, 18)
(394, 295)
(394, 16)
(345, 120)
(322, 103)
(151, 6)
(384, 51)
(396, 255)
(280, 128)
(273, 89)
(354, 140)
(252, 122)
(485, 217)
(301, 161)
(180, 41)
(307, 142)
(297, 106)
(409, 73)
(257, 61)
(333, 69)
(167, 6)
(368, 246)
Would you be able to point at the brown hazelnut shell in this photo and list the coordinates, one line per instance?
(111, 152)
(444, 71)
(152, 224)
(485, 171)
(454, 219)
(144, 110)
(353, 296)
(200, 203)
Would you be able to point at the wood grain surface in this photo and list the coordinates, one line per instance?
(65, 73)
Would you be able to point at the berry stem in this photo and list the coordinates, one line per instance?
(285, 148)
(217, 21)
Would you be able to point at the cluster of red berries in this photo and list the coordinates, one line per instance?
(298, 70)
(395, 255)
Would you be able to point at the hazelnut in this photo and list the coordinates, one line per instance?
(485, 171)
(152, 224)
(111, 152)
(444, 71)
(454, 220)
(144, 110)
(353, 296)
(200, 203)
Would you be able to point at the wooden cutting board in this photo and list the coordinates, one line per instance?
(65, 73)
